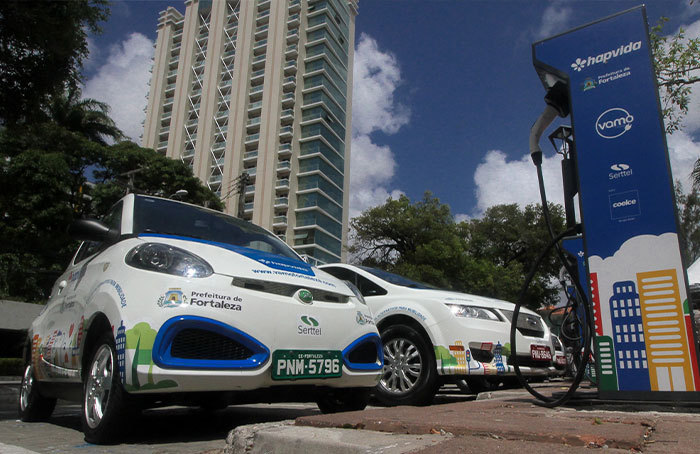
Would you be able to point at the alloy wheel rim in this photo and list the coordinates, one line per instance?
(98, 386)
(402, 366)
(27, 384)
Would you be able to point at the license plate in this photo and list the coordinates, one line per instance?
(540, 353)
(560, 360)
(293, 364)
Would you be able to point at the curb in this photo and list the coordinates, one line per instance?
(286, 438)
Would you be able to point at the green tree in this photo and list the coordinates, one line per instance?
(689, 223)
(676, 61)
(145, 171)
(42, 46)
(488, 257)
(84, 116)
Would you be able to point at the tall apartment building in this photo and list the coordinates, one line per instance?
(255, 95)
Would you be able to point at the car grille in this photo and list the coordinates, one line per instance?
(201, 344)
(528, 324)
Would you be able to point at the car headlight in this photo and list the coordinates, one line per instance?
(164, 258)
(356, 291)
(460, 310)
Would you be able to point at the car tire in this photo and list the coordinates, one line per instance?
(32, 405)
(338, 400)
(106, 405)
(409, 376)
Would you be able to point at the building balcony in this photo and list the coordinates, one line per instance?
(162, 146)
(263, 4)
(218, 146)
(279, 220)
(284, 150)
(293, 36)
(288, 99)
(169, 88)
(281, 202)
(263, 17)
(217, 162)
(293, 20)
(284, 166)
(287, 116)
(290, 67)
(294, 6)
(286, 132)
(261, 31)
(250, 156)
(282, 183)
(257, 75)
(289, 83)
(291, 51)
(251, 171)
(254, 107)
(249, 189)
(166, 116)
(253, 123)
(215, 179)
(187, 154)
(248, 206)
(172, 74)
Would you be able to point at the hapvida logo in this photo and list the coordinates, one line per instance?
(581, 63)
(613, 123)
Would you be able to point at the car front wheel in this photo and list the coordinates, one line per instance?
(105, 406)
(32, 405)
(409, 376)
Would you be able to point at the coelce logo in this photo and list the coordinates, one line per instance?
(613, 123)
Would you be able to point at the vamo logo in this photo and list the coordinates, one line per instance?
(613, 123)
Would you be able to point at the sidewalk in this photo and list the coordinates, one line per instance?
(510, 423)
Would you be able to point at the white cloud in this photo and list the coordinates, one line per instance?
(376, 77)
(501, 181)
(683, 153)
(122, 82)
(555, 19)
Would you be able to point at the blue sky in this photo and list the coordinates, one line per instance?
(444, 92)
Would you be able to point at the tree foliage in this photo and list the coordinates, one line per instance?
(689, 223)
(42, 46)
(677, 62)
(488, 256)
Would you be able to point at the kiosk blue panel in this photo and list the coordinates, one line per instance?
(627, 202)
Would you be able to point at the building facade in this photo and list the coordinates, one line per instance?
(255, 96)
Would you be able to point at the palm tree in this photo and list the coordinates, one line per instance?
(87, 116)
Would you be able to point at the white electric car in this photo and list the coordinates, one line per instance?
(170, 302)
(433, 336)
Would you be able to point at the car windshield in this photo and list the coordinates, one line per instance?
(396, 279)
(154, 215)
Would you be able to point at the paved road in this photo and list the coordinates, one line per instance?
(171, 430)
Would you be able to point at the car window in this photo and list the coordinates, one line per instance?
(154, 215)
(366, 287)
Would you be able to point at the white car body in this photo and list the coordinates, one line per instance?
(220, 332)
(463, 346)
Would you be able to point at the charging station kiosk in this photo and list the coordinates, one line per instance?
(645, 346)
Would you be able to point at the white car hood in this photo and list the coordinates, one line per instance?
(253, 264)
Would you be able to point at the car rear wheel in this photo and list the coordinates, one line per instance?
(409, 376)
(32, 405)
(105, 406)
(337, 400)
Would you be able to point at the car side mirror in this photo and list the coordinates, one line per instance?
(92, 230)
